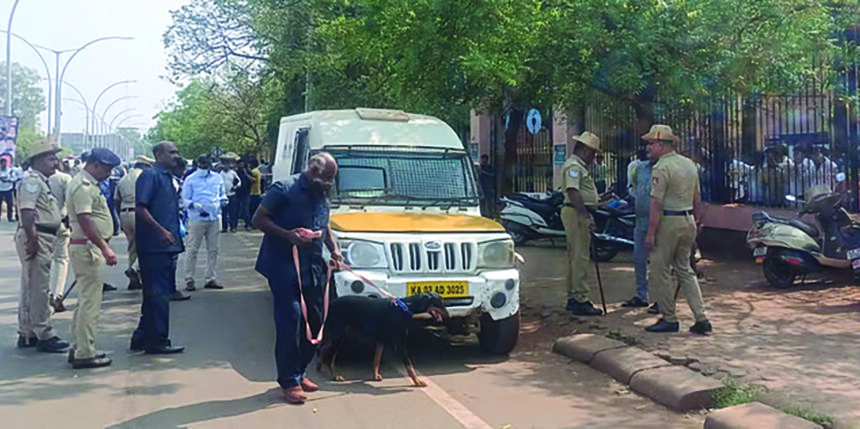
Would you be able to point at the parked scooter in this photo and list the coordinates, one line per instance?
(530, 216)
(788, 248)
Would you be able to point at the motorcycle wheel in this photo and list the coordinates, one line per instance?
(776, 272)
(603, 251)
(519, 233)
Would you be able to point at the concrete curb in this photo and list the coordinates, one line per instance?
(676, 387)
(622, 364)
(583, 347)
(755, 415)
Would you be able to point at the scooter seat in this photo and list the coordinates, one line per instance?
(807, 228)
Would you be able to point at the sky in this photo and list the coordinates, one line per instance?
(69, 24)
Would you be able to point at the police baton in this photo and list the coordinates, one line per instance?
(597, 270)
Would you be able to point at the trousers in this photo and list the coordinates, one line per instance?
(87, 262)
(640, 256)
(293, 352)
(578, 243)
(7, 197)
(60, 262)
(158, 273)
(672, 246)
(127, 223)
(34, 310)
(198, 232)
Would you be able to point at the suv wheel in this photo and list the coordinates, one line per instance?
(498, 337)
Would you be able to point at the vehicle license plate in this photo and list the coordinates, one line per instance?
(759, 251)
(854, 254)
(445, 289)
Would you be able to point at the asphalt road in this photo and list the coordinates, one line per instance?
(225, 377)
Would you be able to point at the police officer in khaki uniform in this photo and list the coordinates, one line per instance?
(125, 206)
(92, 228)
(674, 223)
(34, 241)
(59, 182)
(580, 194)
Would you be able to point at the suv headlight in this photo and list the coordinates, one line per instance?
(496, 254)
(364, 254)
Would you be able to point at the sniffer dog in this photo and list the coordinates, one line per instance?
(383, 320)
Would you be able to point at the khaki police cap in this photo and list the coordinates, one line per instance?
(588, 139)
(43, 149)
(660, 132)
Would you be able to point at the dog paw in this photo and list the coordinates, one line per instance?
(419, 382)
(339, 378)
(376, 377)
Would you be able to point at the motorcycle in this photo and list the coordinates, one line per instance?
(788, 248)
(530, 216)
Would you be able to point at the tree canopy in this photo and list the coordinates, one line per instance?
(28, 101)
(444, 57)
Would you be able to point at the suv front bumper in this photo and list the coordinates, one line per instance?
(495, 292)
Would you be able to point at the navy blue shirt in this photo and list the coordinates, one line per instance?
(293, 204)
(154, 190)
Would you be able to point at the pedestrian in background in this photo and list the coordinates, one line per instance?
(178, 172)
(243, 193)
(640, 176)
(59, 184)
(256, 188)
(125, 199)
(675, 219)
(34, 242)
(158, 244)
(203, 196)
(7, 187)
(92, 229)
(231, 184)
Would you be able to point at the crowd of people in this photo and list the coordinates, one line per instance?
(70, 217)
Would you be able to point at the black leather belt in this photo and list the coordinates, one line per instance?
(46, 230)
(129, 209)
(677, 212)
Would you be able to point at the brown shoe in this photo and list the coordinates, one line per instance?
(212, 284)
(294, 395)
(309, 386)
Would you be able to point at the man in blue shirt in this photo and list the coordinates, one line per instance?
(641, 191)
(203, 195)
(158, 244)
(295, 212)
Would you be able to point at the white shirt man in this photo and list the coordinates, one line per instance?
(203, 195)
(7, 185)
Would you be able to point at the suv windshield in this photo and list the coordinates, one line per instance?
(397, 178)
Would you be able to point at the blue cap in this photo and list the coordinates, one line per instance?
(104, 156)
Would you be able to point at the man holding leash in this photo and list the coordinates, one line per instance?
(294, 214)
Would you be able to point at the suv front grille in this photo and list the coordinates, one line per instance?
(432, 257)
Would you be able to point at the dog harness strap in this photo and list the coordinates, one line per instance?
(304, 306)
(367, 281)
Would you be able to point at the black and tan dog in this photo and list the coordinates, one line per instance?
(382, 320)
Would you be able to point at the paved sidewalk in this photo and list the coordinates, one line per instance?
(802, 344)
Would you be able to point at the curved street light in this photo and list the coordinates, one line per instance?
(47, 72)
(125, 97)
(61, 75)
(9, 61)
(107, 88)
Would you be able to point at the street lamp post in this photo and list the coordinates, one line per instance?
(47, 72)
(60, 74)
(99, 97)
(9, 61)
(113, 103)
(87, 106)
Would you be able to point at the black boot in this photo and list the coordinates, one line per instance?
(654, 309)
(663, 326)
(584, 309)
(26, 342)
(702, 328)
(52, 345)
(635, 302)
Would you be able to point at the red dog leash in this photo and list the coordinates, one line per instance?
(310, 336)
